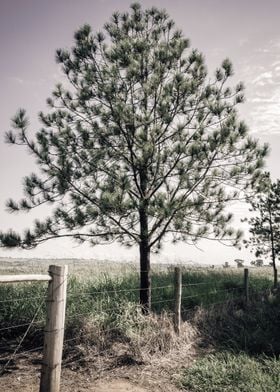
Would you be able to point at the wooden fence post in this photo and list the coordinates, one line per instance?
(54, 331)
(178, 299)
(246, 284)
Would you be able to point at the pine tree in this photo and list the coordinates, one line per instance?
(265, 224)
(140, 145)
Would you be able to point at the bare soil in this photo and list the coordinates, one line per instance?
(24, 376)
(74, 383)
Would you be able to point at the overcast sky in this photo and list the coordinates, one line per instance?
(246, 31)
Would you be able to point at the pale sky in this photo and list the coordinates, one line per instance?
(246, 31)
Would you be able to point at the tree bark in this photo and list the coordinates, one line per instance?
(145, 273)
(145, 277)
(275, 282)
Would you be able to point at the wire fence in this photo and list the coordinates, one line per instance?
(99, 313)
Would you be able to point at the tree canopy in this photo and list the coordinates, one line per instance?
(264, 226)
(138, 144)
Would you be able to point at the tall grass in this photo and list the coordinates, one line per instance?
(108, 293)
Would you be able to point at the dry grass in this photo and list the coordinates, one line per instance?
(138, 340)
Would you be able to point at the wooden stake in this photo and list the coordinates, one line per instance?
(178, 299)
(54, 332)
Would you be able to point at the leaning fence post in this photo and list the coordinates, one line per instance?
(178, 299)
(54, 331)
(246, 284)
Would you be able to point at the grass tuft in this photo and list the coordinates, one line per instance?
(232, 372)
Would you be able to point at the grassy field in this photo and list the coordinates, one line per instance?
(106, 288)
(103, 315)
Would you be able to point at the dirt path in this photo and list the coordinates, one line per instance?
(73, 381)
(117, 386)
(25, 384)
(22, 385)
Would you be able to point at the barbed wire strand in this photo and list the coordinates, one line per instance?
(117, 291)
(21, 325)
(138, 306)
(21, 299)
(211, 293)
(195, 284)
(33, 322)
(22, 338)
(104, 310)
(87, 335)
(233, 299)
(21, 353)
(163, 301)
(80, 337)
(66, 363)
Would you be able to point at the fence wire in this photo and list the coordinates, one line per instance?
(12, 357)
(111, 325)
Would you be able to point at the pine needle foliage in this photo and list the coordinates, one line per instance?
(139, 143)
(265, 224)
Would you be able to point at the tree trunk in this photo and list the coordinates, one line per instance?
(275, 278)
(275, 282)
(145, 277)
(274, 267)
